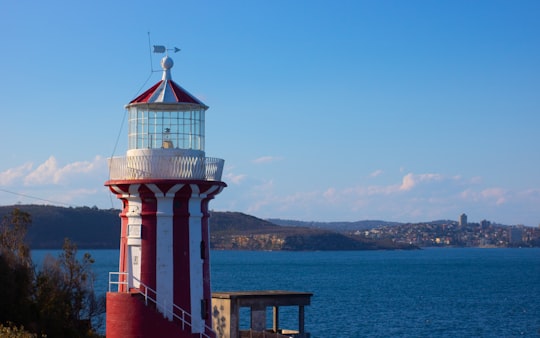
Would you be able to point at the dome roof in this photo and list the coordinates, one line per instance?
(167, 91)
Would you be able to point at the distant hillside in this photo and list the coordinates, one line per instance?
(88, 227)
(335, 226)
(96, 228)
(230, 231)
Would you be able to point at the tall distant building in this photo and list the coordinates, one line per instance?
(462, 219)
(516, 235)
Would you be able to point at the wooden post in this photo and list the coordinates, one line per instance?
(276, 318)
(301, 318)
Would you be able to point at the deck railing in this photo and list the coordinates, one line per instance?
(165, 167)
(150, 297)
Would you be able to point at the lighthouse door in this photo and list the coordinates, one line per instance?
(134, 255)
(134, 266)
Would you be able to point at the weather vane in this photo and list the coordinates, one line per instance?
(160, 49)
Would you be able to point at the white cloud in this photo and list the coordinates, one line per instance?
(382, 189)
(531, 193)
(409, 197)
(256, 206)
(411, 180)
(376, 173)
(497, 194)
(44, 173)
(399, 201)
(476, 180)
(11, 175)
(78, 196)
(469, 195)
(235, 179)
(266, 159)
(75, 183)
(264, 187)
(331, 194)
(261, 195)
(408, 182)
(50, 172)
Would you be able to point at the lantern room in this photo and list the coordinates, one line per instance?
(166, 116)
(166, 135)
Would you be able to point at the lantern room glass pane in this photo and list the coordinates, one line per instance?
(166, 129)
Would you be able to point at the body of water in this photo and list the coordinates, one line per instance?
(460, 292)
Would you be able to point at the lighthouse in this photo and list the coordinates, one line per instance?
(165, 183)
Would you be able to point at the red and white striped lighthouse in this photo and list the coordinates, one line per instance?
(165, 183)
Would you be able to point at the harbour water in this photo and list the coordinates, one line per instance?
(458, 292)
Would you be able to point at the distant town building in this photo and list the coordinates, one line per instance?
(463, 220)
(516, 235)
(485, 224)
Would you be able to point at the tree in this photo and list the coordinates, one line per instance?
(57, 301)
(13, 231)
(16, 273)
(65, 295)
(15, 332)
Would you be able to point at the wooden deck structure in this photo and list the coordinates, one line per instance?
(226, 312)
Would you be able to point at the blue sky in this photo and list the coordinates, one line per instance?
(323, 110)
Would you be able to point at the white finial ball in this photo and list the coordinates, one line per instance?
(167, 63)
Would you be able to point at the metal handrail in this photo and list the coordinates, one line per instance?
(184, 317)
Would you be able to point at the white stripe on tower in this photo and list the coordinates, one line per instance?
(133, 214)
(164, 248)
(133, 235)
(195, 259)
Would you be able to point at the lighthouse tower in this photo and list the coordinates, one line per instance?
(165, 183)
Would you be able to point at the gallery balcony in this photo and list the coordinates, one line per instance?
(165, 167)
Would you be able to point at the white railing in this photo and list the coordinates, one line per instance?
(150, 296)
(165, 167)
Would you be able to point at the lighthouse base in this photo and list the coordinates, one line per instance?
(129, 317)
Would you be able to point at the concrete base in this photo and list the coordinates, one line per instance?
(129, 317)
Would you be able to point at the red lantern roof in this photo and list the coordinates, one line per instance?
(166, 91)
